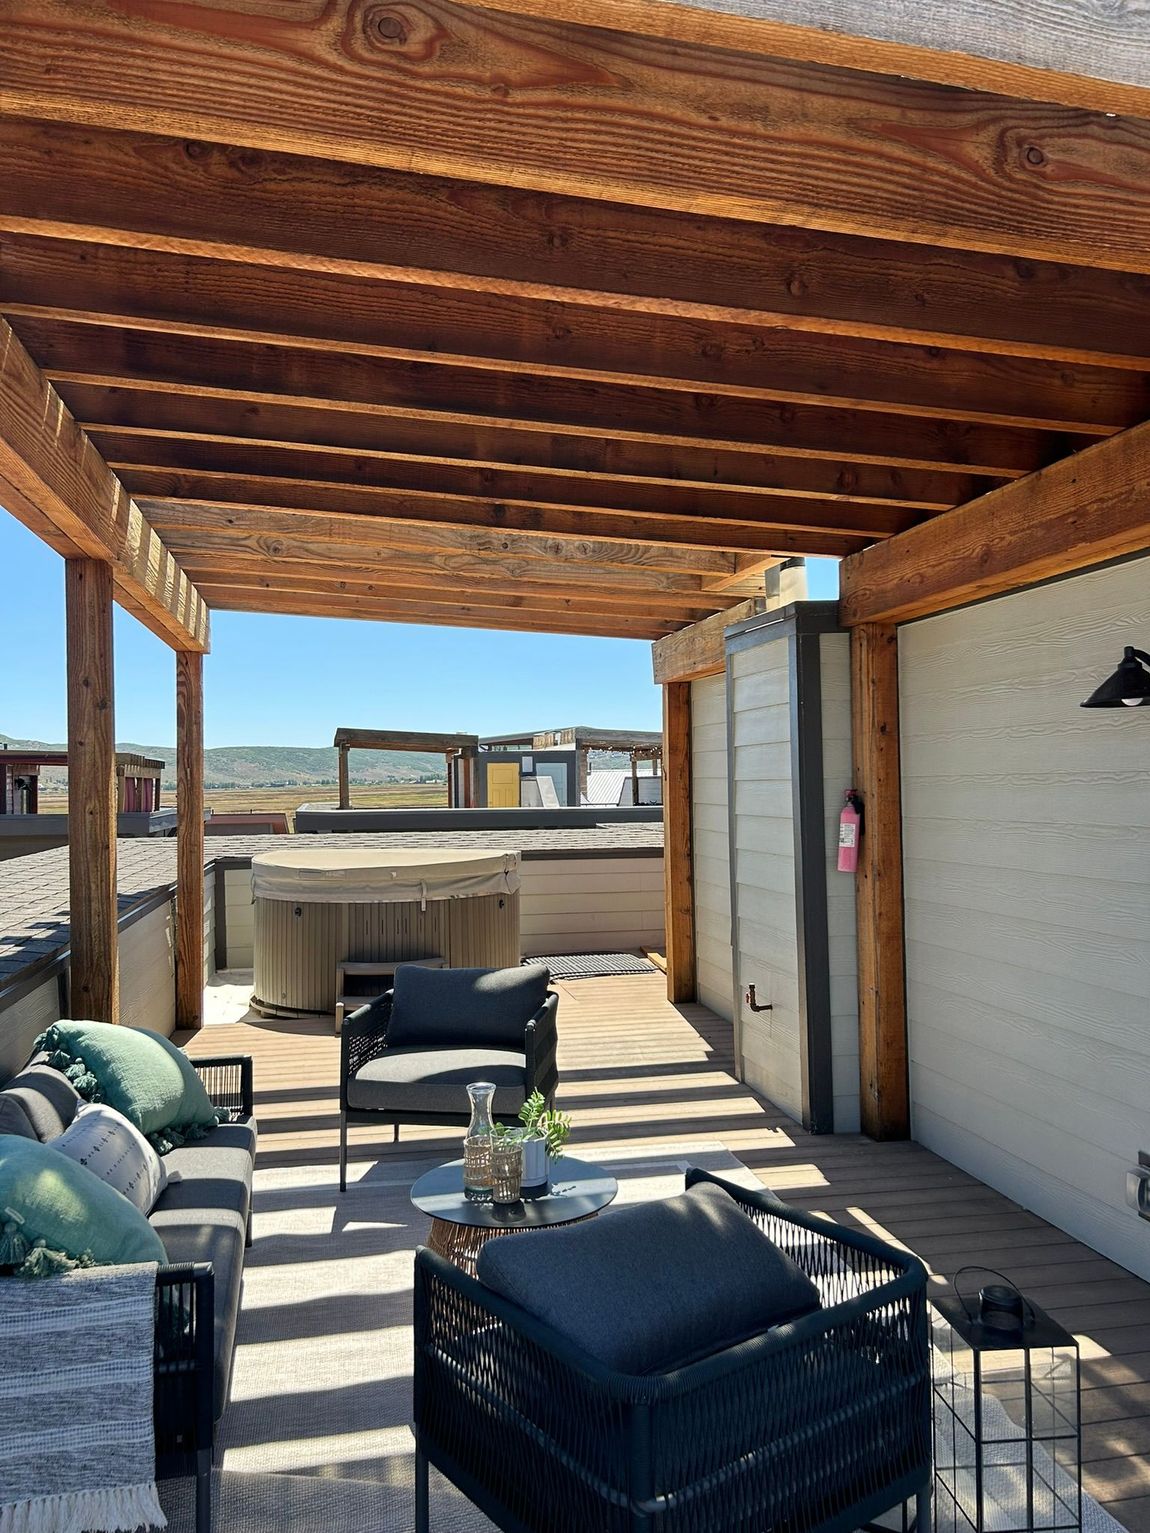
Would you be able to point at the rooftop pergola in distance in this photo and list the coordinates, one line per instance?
(318, 329)
(403, 740)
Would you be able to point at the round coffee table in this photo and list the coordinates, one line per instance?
(460, 1228)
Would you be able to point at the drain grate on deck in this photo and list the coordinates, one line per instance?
(594, 965)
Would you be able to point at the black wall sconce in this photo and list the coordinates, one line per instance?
(1128, 687)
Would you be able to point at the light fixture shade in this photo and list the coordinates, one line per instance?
(1128, 687)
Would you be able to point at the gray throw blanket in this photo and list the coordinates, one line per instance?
(77, 1449)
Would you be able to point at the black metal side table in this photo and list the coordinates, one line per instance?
(461, 1228)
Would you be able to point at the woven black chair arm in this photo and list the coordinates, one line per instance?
(229, 1081)
(183, 1355)
(768, 1202)
(541, 1037)
(363, 1037)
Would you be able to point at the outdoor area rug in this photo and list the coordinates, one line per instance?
(317, 1436)
(594, 965)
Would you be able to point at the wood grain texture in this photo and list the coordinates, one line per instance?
(116, 416)
(92, 353)
(53, 479)
(189, 839)
(345, 779)
(699, 650)
(884, 1099)
(1082, 511)
(167, 294)
(705, 130)
(94, 974)
(117, 202)
(678, 877)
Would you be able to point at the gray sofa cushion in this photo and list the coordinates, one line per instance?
(655, 1286)
(48, 1098)
(482, 1007)
(13, 1118)
(435, 1080)
(218, 1239)
(211, 1175)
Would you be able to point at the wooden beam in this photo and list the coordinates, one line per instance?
(190, 840)
(73, 352)
(116, 417)
(283, 214)
(371, 542)
(53, 479)
(344, 779)
(884, 1079)
(163, 294)
(706, 130)
(92, 906)
(678, 872)
(699, 650)
(1082, 511)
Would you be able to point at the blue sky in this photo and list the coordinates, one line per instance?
(274, 680)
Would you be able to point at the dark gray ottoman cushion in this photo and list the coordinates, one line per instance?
(489, 1007)
(655, 1286)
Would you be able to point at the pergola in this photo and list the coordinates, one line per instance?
(402, 740)
(573, 316)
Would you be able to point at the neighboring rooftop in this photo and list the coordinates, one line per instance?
(582, 737)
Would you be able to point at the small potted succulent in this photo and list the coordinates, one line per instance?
(545, 1133)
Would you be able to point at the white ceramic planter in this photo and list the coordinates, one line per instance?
(536, 1166)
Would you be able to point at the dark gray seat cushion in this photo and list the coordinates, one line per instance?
(218, 1239)
(49, 1099)
(482, 1007)
(13, 1118)
(211, 1175)
(655, 1286)
(435, 1080)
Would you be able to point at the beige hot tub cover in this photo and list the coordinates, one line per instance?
(332, 876)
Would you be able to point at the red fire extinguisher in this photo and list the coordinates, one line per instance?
(850, 824)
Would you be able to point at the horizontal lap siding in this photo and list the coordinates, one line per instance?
(588, 905)
(23, 1022)
(148, 972)
(1027, 849)
(765, 871)
(711, 844)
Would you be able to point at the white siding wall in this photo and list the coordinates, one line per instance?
(764, 852)
(711, 847)
(834, 652)
(23, 1022)
(1027, 847)
(566, 905)
(148, 972)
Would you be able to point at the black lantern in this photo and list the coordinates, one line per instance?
(1128, 687)
(1007, 1426)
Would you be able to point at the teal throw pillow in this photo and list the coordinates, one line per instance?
(49, 1201)
(139, 1073)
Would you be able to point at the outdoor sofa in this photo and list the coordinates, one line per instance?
(409, 1056)
(203, 1218)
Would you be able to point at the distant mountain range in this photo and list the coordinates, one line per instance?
(271, 766)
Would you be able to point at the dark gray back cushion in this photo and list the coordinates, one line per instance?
(13, 1118)
(48, 1098)
(489, 1007)
(654, 1286)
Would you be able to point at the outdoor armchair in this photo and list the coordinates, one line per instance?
(818, 1425)
(409, 1056)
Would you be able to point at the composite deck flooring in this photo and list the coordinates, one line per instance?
(638, 1071)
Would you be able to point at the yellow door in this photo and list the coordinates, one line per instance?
(503, 785)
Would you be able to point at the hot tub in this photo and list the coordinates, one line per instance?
(317, 908)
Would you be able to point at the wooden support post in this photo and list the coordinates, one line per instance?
(190, 839)
(678, 882)
(344, 780)
(95, 969)
(885, 1085)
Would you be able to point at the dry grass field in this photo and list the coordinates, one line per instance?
(394, 795)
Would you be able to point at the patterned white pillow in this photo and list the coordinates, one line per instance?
(113, 1149)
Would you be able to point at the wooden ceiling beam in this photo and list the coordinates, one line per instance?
(700, 650)
(775, 526)
(1081, 512)
(117, 415)
(175, 295)
(184, 470)
(55, 482)
(460, 614)
(373, 540)
(95, 354)
(117, 199)
(706, 130)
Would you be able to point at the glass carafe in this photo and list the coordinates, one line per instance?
(477, 1179)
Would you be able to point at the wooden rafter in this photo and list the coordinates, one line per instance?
(53, 479)
(707, 131)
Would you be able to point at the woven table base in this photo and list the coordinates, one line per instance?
(462, 1243)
